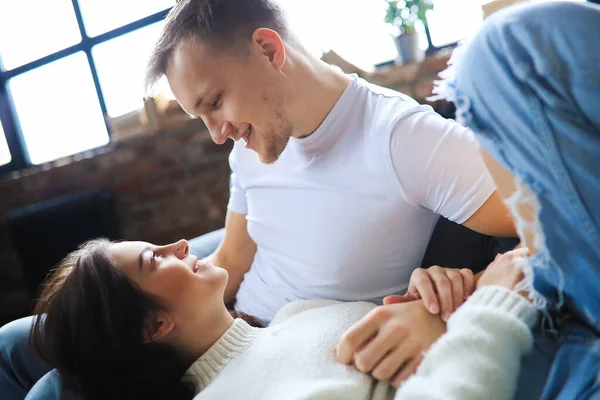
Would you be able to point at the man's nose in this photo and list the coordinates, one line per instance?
(219, 131)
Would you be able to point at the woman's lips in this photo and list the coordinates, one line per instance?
(199, 266)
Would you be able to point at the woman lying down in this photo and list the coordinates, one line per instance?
(133, 320)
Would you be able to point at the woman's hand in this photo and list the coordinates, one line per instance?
(506, 270)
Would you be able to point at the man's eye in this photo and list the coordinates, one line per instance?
(216, 102)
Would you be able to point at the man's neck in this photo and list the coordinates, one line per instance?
(315, 89)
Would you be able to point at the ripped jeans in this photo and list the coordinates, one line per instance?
(528, 85)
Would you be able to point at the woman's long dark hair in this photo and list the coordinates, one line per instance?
(90, 326)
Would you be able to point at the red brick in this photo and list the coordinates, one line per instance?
(435, 64)
(209, 147)
(423, 89)
(127, 187)
(176, 204)
(172, 179)
(144, 167)
(150, 196)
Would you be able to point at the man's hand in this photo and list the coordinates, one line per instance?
(442, 289)
(390, 340)
(506, 269)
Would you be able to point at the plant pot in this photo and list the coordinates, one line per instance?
(407, 45)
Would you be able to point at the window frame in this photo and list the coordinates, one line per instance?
(8, 116)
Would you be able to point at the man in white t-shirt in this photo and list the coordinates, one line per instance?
(337, 183)
(342, 199)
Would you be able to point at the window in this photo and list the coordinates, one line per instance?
(58, 109)
(4, 151)
(31, 29)
(449, 23)
(105, 15)
(121, 63)
(356, 30)
(65, 65)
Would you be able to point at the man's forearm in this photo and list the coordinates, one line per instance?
(479, 274)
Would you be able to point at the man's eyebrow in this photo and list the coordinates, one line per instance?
(141, 256)
(199, 102)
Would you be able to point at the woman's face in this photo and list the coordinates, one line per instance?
(189, 288)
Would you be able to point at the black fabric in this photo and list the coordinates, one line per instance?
(455, 246)
(45, 232)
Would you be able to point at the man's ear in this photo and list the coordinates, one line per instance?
(270, 45)
(157, 326)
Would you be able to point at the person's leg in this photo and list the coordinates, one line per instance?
(455, 246)
(50, 387)
(205, 245)
(19, 367)
(536, 365)
(528, 86)
(575, 373)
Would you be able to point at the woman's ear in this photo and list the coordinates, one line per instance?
(157, 326)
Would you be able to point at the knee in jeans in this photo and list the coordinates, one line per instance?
(14, 336)
(539, 22)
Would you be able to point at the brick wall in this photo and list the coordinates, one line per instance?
(416, 79)
(167, 186)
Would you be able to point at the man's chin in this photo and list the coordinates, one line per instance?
(267, 159)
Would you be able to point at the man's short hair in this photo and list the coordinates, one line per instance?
(218, 24)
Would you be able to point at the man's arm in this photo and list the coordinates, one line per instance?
(235, 253)
(438, 167)
(492, 218)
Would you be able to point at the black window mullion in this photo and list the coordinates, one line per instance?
(10, 122)
(87, 45)
(9, 125)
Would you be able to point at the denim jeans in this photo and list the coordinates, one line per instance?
(23, 375)
(528, 85)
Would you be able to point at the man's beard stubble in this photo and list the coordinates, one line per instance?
(279, 133)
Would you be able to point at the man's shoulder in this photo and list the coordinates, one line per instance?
(385, 93)
(385, 105)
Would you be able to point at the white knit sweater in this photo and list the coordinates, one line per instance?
(478, 358)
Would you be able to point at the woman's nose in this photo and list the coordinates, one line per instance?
(179, 249)
(182, 249)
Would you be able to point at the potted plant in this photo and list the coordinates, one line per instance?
(402, 15)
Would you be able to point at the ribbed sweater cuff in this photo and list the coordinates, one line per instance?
(503, 299)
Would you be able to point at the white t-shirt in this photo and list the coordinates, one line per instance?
(346, 213)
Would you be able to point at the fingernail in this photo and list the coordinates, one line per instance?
(445, 317)
(434, 309)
